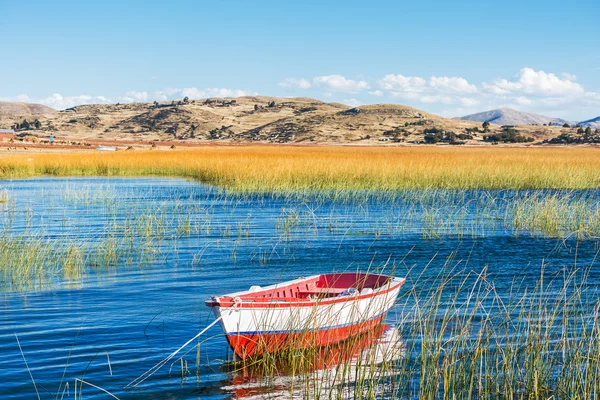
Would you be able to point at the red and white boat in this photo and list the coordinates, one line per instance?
(316, 311)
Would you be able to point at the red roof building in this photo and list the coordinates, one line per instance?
(7, 134)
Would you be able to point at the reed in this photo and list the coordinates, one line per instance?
(270, 168)
(458, 338)
(128, 234)
(557, 215)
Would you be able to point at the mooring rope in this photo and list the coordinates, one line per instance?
(158, 366)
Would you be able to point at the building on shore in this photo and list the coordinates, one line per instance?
(7, 135)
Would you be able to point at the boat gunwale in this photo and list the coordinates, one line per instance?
(229, 301)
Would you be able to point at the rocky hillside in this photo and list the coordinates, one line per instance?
(264, 120)
(508, 116)
(12, 108)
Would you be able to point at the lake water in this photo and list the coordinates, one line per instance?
(177, 242)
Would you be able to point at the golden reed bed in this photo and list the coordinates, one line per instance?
(258, 168)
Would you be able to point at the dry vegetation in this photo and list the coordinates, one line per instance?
(266, 168)
(262, 120)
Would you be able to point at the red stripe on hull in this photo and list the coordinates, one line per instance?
(246, 346)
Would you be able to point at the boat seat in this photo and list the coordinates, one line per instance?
(321, 291)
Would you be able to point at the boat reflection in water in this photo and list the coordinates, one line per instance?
(363, 364)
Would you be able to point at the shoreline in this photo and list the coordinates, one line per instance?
(90, 145)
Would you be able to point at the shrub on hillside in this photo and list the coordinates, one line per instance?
(507, 135)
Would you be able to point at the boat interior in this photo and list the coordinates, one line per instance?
(318, 287)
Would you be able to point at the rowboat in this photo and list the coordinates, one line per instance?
(316, 311)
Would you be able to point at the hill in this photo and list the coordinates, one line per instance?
(14, 108)
(508, 116)
(593, 123)
(264, 119)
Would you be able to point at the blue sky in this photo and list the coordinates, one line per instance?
(446, 57)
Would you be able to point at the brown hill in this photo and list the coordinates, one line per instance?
(268, 120)
(14, 108)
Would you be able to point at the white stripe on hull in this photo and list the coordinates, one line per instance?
(273, 319)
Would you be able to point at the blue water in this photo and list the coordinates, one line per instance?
(113, 323)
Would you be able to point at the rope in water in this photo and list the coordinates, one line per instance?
(158, 366)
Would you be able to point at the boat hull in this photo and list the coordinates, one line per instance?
(253, 328)
(248, 345)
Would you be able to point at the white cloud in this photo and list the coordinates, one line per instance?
(530, 90)
(293, 83)
(403, 84)
(538, 83)
(338, 83)
(192, 93)
(451, 84)
(436, 99)
(20, 98)
(395, 85)
(195, 93)
(494, 89)
(134, 97)
(442, 89)
(223, 92)
(353, 102)
(523, 100)
(165, 94)
(60, 102)
(554, 101)
(170, 92)
(468, 101)
(160, 96)
(591, 99)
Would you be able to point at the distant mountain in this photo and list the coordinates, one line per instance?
(508, 116)
(13, 108)
(593, 123)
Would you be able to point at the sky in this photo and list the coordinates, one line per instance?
(450, 58)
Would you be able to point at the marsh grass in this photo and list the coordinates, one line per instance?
(141, 232)
(63, 387)
(37, 263)
(539, 342)
(458, 338)
(4, 196)
(342, 169)
(557, 215)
